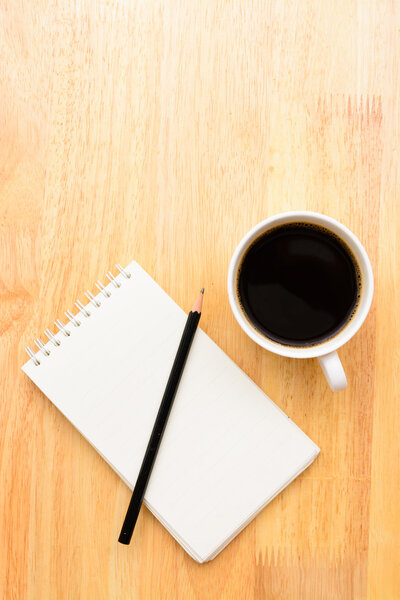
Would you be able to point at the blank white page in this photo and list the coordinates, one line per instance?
(227, 449)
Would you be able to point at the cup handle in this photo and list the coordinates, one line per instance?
(333, 370)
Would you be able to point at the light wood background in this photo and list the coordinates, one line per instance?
(162, 131)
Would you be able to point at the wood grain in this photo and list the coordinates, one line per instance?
(150, 129)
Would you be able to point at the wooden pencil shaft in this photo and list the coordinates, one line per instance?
(159, 428)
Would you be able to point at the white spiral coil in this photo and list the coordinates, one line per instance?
(73, 320)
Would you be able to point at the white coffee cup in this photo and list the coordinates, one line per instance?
(326, 350)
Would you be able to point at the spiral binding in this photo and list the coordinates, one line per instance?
(73, 320)
(102, 289)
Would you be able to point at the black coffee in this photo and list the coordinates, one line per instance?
(298, 284)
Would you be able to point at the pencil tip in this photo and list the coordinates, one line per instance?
(198, 302)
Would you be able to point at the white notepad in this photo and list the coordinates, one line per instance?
(227, 448)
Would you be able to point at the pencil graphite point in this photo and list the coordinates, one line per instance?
(202, 291)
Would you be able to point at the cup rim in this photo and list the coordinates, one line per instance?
(348, 330)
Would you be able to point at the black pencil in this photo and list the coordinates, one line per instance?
(161, 421)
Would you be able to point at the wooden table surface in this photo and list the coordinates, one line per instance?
(163, 131)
